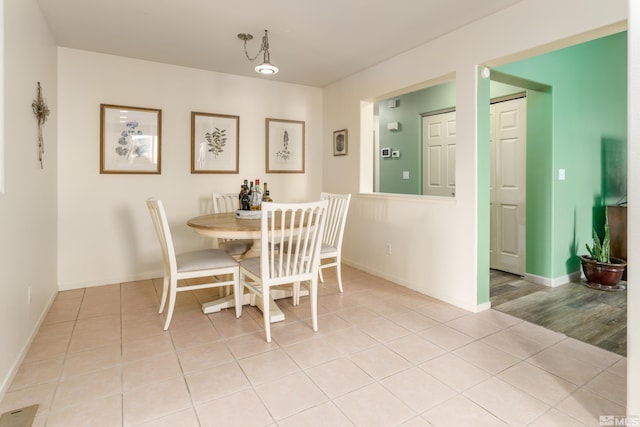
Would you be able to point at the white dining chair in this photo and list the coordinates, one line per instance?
(334, 232)
(191, 265)
(298, 227)
(228, 202)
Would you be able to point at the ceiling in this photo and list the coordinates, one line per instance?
(313, 42)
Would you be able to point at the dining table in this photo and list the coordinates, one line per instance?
(229, 225)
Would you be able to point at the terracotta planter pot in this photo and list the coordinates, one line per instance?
(602, 273)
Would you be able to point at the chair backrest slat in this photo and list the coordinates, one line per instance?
(336, 217)
(291, 239)
(163, 232)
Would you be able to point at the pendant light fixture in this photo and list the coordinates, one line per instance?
(266, 67)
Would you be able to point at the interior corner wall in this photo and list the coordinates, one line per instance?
(28, 206)
(434, 242)
(589, 123)
(104, 226)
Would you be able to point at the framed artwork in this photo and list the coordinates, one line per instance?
(285, 146)
(340, 142)
(130, 139)
(215, 142)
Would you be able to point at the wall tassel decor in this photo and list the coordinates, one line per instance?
(41, 110)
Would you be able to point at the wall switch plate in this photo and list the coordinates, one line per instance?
(561, 174)
(405, 174)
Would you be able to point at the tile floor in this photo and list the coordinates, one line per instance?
(384, 356)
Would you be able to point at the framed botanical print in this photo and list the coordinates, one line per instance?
(215, 143)
(285, 146)
(130, 139)
(340, 142)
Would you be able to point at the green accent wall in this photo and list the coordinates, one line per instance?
(484, 182)
(588, 132)
(408, 138)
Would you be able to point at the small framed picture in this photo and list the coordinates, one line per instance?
(385, 152)
(215, 142)
(129, 139)
(285, 146)
(340, 142)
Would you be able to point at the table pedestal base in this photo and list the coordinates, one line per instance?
(276, 314)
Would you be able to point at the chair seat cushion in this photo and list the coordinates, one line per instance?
(236, 247)
(204, 259)
(325, 249)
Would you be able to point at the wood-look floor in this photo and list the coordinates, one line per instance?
(589, 315)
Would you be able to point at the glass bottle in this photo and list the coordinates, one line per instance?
(256, 197)
(266, 197)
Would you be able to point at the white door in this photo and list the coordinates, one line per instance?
(508, 197)
(439, 154)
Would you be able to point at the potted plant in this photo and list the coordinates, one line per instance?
(599, 267)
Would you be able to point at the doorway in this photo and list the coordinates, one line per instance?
(508, 124)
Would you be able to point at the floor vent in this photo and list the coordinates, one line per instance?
(22, 417)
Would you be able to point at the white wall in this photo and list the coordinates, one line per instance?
(28, 210)
(438, 236)
(105, 233)
(633, 292)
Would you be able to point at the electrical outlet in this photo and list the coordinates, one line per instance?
(29, 295)
(387, 248)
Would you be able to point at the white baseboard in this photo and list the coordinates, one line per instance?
(18, 361)
(553, 282)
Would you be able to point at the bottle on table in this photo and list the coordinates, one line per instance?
(256, 197)
(266, 195)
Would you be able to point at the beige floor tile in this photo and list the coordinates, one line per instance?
(250, 345)
(102, 358)
(587, 407)
(486, 357)
(537, 382)
(154, 401)
(351, 340)
(204, 357)
(268, 366)
(80, 389)
(455, 372)
(290, 395)
(186, 418)
(587, 353)
(313, 352)
(558, 363)
(92, 360)
(555, 418)
(242, 409)
(216, 382)
(508, 403)
(323, 415)
(104, 412)
(609, 386)
(383, 330)
(415, 349)
(380, 362)
(38, 372)
(41, 395)
(150, 346)
(195, 335)
(339, 377)
(373, 405)
(446, 337)
(412, 320)
(515, 343)
(474, 326)
(143, 328)
(460, 411)
(417, 389)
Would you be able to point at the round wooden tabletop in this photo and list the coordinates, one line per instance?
(226, 225)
